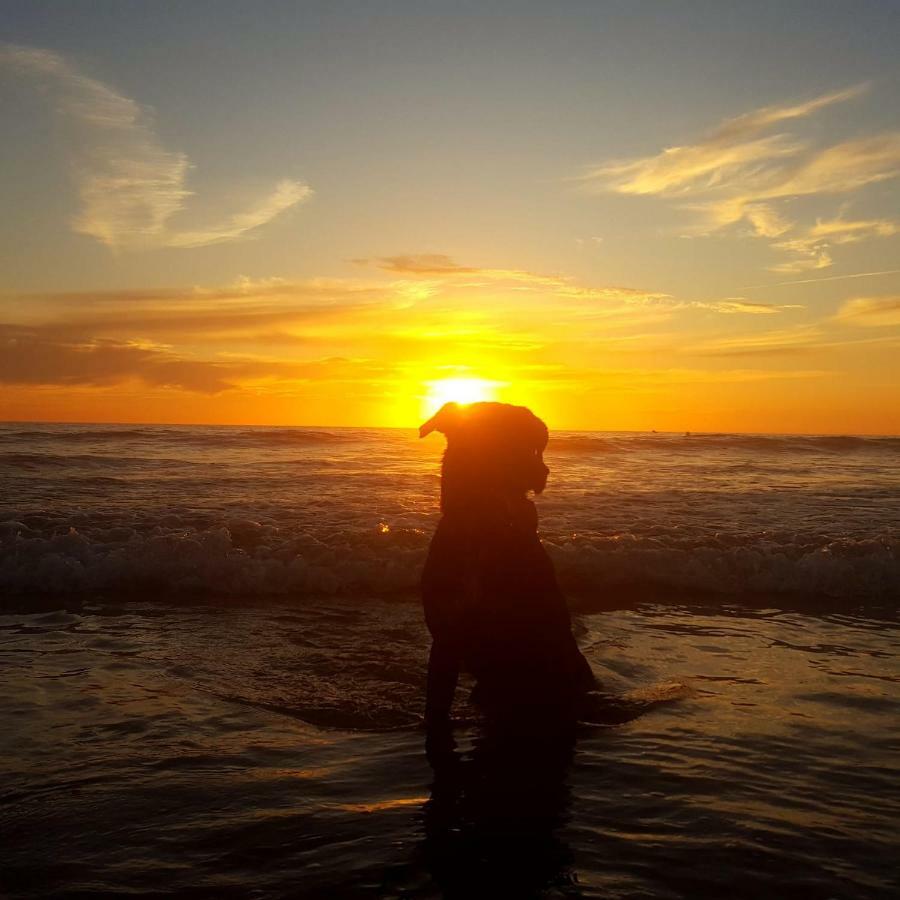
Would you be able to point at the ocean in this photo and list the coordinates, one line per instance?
(213, 665)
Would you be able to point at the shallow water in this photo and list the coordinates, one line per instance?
(273, 751)
(213, 665)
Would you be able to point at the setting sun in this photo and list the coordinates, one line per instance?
(458, 390)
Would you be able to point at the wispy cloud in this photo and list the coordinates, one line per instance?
(441, 267)
(742, 305)
(277, 333)
(420, 264)
(741, 172)
(811, 250)
(129, 184)
(31, 356)
(238, 312)
(842, 231)
(871, 311)
(735, 152)
(787, 341)
(39, 356)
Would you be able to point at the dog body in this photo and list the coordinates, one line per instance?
(491, 599)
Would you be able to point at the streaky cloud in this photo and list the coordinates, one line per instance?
(422, 264)
(286, 194)
(808, 255)
(787, 341)
(742, 305)
(739, 173)
(811, 250)
(33, 357)
(37, 356)
(443, 267)
(130, 186)
(842, 231)
(735, 149)
(871, 311)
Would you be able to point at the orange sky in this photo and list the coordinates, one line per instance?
(382, 349)
(332, 238)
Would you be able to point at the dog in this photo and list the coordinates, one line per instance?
(491, 600)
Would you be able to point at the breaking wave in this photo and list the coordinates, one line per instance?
(216, 511)
(247, 559)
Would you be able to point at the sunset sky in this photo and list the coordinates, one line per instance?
(627, 215)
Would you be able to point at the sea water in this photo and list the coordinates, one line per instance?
(213, 662)
(248, 512)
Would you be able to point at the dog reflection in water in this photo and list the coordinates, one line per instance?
(492, 603)
(495, 820)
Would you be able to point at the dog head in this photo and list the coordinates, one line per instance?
(493, 449)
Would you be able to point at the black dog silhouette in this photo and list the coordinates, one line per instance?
(492, 603)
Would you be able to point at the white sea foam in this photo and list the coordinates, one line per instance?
(244, 558)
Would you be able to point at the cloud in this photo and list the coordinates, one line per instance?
(765, 221)
(841, 168)
(840, 231)
(870, 311)
(441, 266)
(422, 264)
(38, 356)
(808, 255)
(286, 194)
(374, 316)
(438, 265)
(245, 313)
(788, 341)
(31, 357)
(811, 250)
(274, 333)
(670, 377)
(742, 305)
(445, 267)
(739, 173)
(129, 184)
(734, 152)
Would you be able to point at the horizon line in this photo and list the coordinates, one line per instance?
(685, 431)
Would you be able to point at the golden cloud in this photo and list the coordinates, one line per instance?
(870, 311)
(738, 173)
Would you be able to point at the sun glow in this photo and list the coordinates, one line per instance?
(457, 390)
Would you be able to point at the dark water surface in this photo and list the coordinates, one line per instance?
(274, 751)
(265, 742)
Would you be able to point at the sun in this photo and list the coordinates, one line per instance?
(457, 390)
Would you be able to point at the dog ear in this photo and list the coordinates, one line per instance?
(445, 420)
